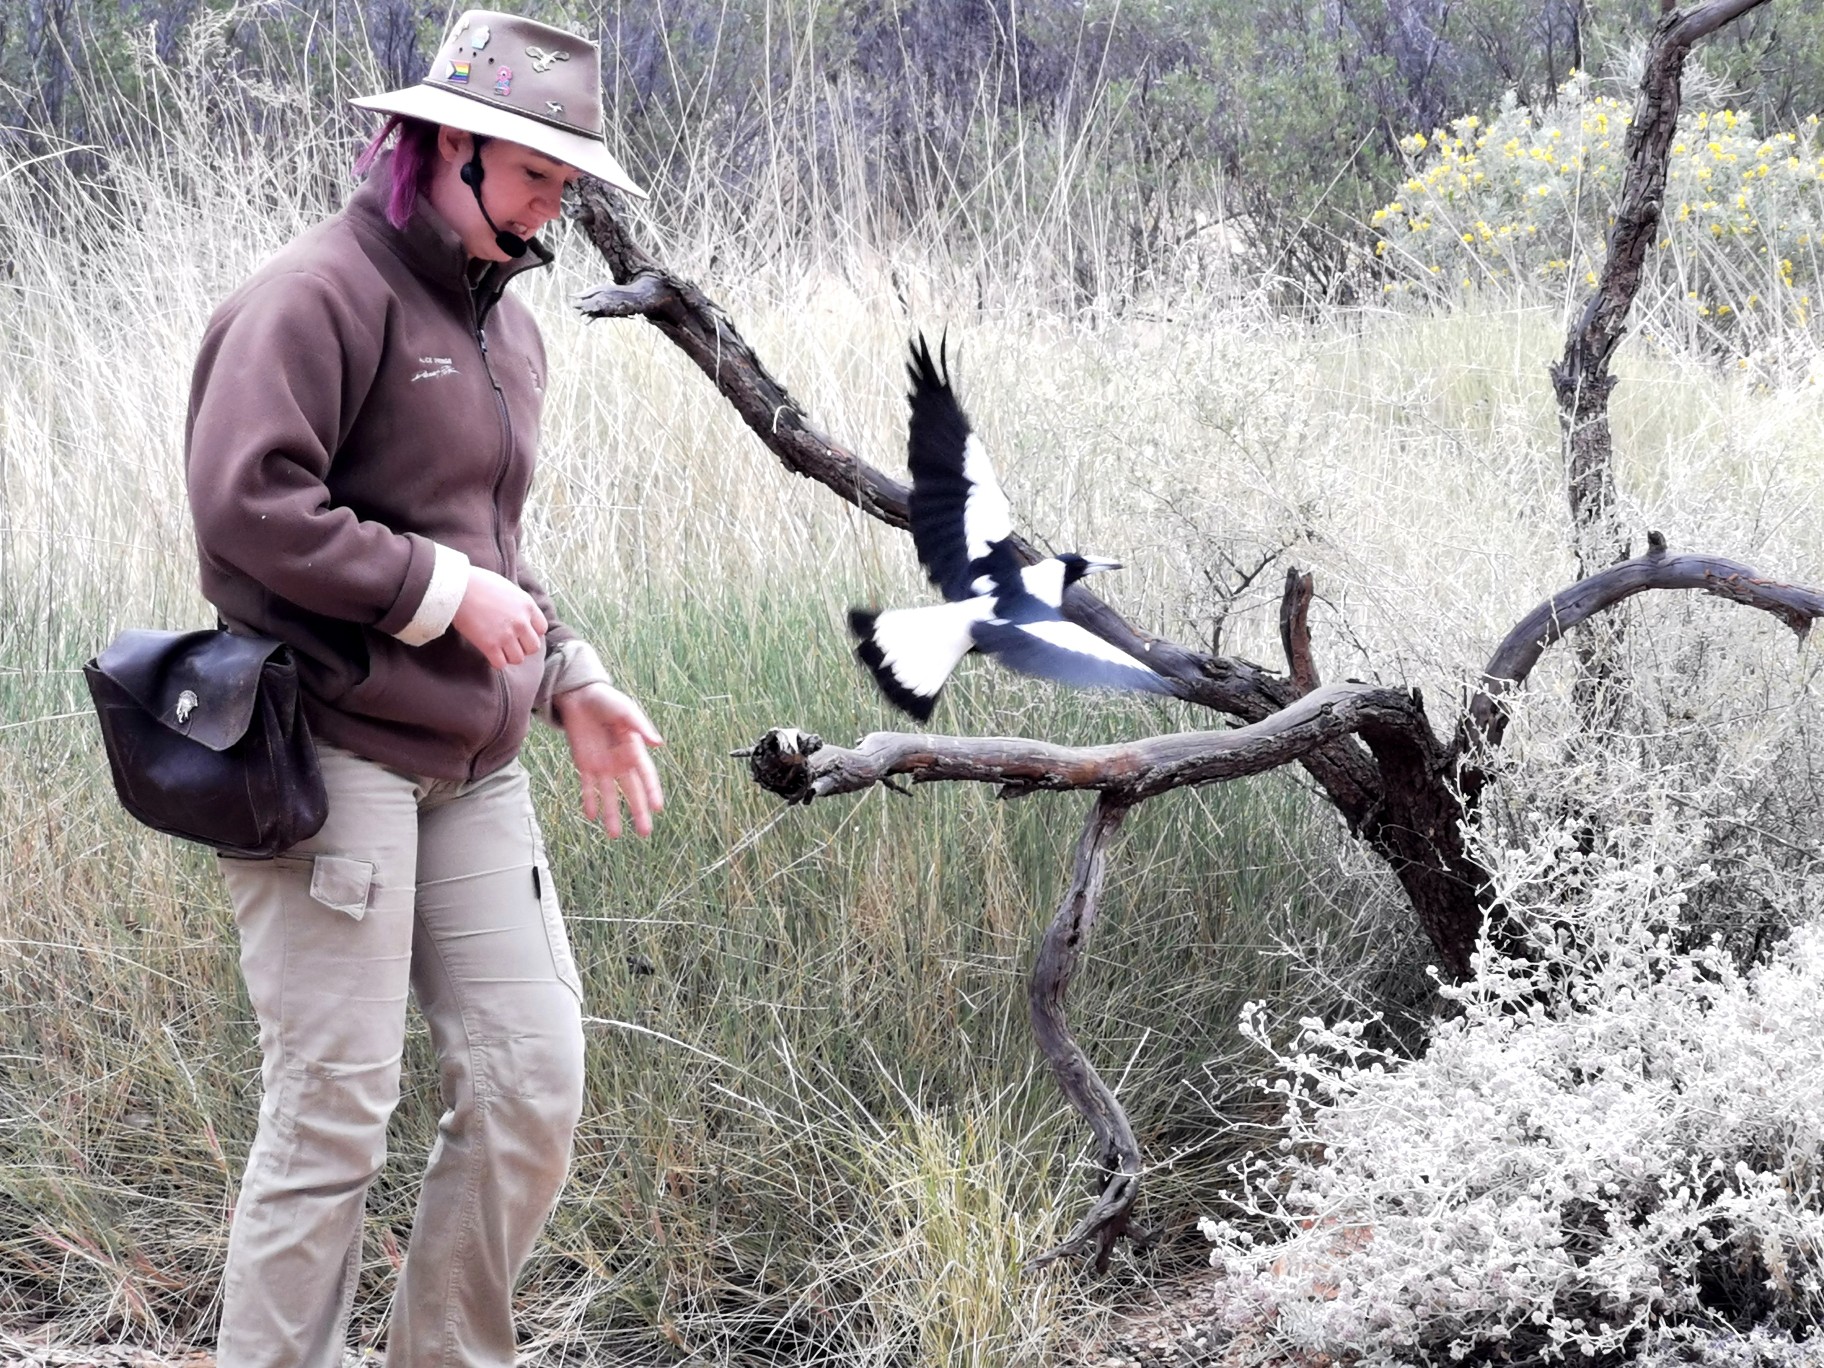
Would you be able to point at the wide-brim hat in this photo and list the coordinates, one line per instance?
(501, 76)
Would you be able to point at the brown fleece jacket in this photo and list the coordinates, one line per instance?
(356, 406)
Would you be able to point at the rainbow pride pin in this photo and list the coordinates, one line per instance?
(459, 72)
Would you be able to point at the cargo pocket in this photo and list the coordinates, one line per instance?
(345, 884)
(555, 935)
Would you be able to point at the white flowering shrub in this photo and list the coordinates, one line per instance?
(1525, 200)
(1613, 1151)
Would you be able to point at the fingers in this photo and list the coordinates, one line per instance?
(500, 619)
(630, 777)
(635, 717)
(641, 789)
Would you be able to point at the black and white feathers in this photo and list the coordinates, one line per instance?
(962, 528)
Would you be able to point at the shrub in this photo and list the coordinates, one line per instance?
(1526, 199)
(1613, 1149)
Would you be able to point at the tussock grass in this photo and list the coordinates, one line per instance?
(815, 1128)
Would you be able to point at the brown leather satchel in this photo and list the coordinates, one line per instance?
(206, 737)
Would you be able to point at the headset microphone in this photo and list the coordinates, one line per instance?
(510, 243)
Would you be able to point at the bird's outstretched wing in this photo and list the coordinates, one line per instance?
(959, 516)
(1053, 648)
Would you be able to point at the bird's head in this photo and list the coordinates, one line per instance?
(1076, 567)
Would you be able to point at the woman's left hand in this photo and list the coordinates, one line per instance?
(609, 735)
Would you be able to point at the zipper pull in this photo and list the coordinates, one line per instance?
(481, 335)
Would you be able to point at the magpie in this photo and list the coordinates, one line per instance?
(962, 528)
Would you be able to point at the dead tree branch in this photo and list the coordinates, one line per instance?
(705, 334)
(1581, 377)
(800, 768)
(678, 309)
(1118, 1164)
(1295, 631)
(1486, 719)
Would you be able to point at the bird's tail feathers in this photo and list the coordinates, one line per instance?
(912, 651)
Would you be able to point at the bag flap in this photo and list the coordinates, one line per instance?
(202, 685)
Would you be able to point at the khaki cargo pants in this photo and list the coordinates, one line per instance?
(440, 887)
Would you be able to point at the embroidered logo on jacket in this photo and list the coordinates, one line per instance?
(435, 368)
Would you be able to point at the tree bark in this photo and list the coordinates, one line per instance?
(1580, 378)
(1131, 771)
(1118, 1163)
(1422, 830)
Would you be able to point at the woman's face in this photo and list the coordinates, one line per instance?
(523, 190)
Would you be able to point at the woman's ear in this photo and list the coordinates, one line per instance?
(454, 145)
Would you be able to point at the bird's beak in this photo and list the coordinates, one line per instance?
(1095, 565)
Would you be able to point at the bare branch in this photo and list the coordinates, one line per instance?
(1701, 23)
(1796, 606)
(705, 334)
(1295, 631)
(1581, 377)
(799, 767)
(1118, 1159)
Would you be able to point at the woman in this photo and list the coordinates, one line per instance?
(360, 444)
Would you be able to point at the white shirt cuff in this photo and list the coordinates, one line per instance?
(442, 597)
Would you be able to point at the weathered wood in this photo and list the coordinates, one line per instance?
(1581, 378)
(1295, 631)
(1131, 770)
(691, 320)
(1118, 1164)
(1486, 720)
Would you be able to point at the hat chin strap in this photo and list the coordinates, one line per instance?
(510, 243)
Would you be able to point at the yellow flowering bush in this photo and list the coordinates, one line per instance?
(1526, 200)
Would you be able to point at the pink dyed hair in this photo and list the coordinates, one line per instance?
(409, 171)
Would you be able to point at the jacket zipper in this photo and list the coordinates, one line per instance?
(500, 550)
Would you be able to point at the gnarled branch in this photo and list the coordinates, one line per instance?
(1486, 719)
(1295, 630)
(643, 288)
(800, 767)
(1581, 377)
(706, 335)
(1118, 1156)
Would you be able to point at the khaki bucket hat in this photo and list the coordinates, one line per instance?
(501, 76)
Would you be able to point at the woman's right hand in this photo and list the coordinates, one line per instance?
(499, 619)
